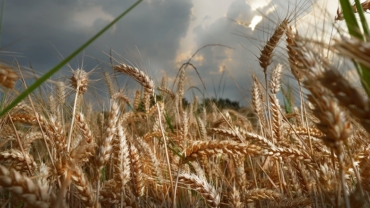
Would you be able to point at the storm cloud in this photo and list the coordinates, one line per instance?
(157, 36)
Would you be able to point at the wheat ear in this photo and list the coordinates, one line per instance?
(242, 135)
(334, 123)
(167, 91)
(17, 159)
(138, 75)
(8, 77)
(201, 186)
(109, 84)
(209, 148)
(24, 187)
(136, 171)
(275, 106)
(235, 198)
(348, 96)
(257, 101)
(259, 194)
(79, 81)
(83, 186)
(293, 54)
(333, 120)
(180, 88)
(105, 148)
(266, 53)
(52, 128)
(121, 162)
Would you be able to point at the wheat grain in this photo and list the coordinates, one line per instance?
(136, 171)
(8, 77)
(275, 79)
(83, 186)
(276, 118)
(137, 100)
(24, 187)
(244, 136)
(207, 191)
(17, 160)
(257, 101)
(293, 54)
(79, 80)
(121, 162)
(333, 121)
(259, 194)
(209, 148)
(120, 97)
(105, 148)
(111, 89)
(266, 53)
(138, 75)
(167, 91)
(235, 199)
(348, 96)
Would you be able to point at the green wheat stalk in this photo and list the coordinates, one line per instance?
(355, 31)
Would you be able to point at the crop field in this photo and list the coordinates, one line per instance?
(153, 149)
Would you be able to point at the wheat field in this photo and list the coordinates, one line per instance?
(151, 149)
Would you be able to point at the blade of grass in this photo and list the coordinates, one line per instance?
(350, 19)
(287, 99)
(363, 71)
(63, 62)
(354, 30)
(365, 26)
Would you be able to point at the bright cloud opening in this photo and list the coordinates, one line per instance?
(258, 4)
(256, 19)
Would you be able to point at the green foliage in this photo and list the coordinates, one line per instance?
(169, 122)
(222, 103)
(288, 102)
(355, 31)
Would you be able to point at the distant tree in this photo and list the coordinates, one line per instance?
(222, 103)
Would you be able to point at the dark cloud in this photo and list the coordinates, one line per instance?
(149, 36)
(40, 30)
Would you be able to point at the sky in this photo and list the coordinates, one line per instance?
(157, 36)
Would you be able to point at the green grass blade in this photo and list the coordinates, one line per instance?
(287, 99)
(365, 26)
(364, 74)
(62, 63)
(355, 31)
(363, 71)
(350, 19)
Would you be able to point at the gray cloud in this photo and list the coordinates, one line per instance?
(149, 36)
(243, 59)
(152, 29)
